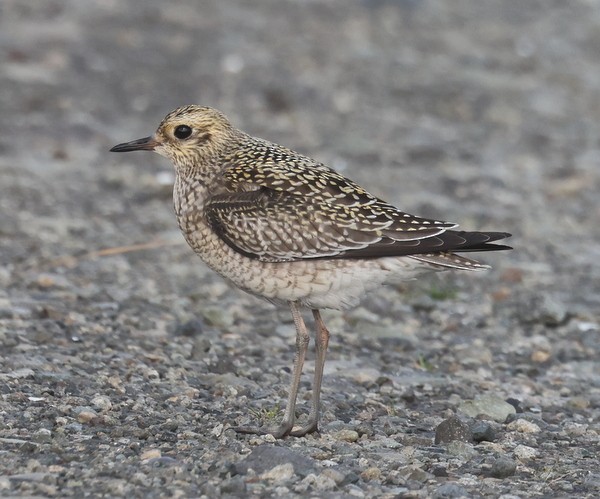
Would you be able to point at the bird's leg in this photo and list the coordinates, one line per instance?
(321, 342)
(302, 339)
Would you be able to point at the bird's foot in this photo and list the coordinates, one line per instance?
(311, 427)
(281, 431)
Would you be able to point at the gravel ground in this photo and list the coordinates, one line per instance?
(124, 361)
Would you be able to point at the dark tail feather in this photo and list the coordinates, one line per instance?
(475, 241)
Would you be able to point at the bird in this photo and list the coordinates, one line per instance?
(289, 229)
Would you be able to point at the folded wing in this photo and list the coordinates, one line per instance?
(290, 208)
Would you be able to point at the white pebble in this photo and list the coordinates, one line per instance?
(523, 426)
(525, 453)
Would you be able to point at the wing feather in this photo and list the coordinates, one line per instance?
(282, 206)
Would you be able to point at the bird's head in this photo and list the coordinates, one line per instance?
(188, 136)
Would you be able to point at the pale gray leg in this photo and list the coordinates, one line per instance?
(321, 342)
(302, 339)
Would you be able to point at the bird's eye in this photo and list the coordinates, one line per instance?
(182, 132)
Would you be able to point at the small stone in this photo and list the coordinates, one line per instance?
(150, 454)
(74, 427)
(161, 462)
(578, 402)
(525, 453)
(489, 406)
(503, 467)
(450, 489)
(413, 473)
(37, 477)
(307, 482)
(101, 402)
(151, 374)
(324, 482)
(462, 450)
(280, 473)
(341, 476)
(543, 309)
(551, 311)
(85, 416)
(523, 426)
(42, 435)
(354, 491)
(440, 471)
(515, 403)
(265, 457)
(483, 432)
(140, 478)
(194, 327)
(452, 429)
(52, 281)
(236, 486)
(218, 316)
(4, 483)
(346, 435)
(22, 373)
(365, 376)
(336, 475)
(372, 473)
(575, 429)
(540, 356)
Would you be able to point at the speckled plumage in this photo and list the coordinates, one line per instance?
(286, 228)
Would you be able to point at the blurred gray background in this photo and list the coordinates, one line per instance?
(484, 113)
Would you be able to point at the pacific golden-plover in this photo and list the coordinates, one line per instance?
(289, 229)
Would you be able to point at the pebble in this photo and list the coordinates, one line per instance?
(309, 481)
(162, 462)
(74, 427)
(47, 280)
(450, 489)
(265, 457)
(218, 316)
(575, 429)
(516, 403)
(372, 473)
(490, 406)
(462, 450)
(194, 327)
(483, 432)
(346, 435)
(22, 373)
(86, 415)
(324, 482)
(277, 492)
(523, 426)
(452, 429)
(341, 476)
(414, 473)
(150, 454)
(578, 402)
(543, 309)
(42, 435)
(540, 356)
(354, 491)
(279, 474)
(101, 402)
(30, 477)
(334, 474)
(503, 467)
(525, 453)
